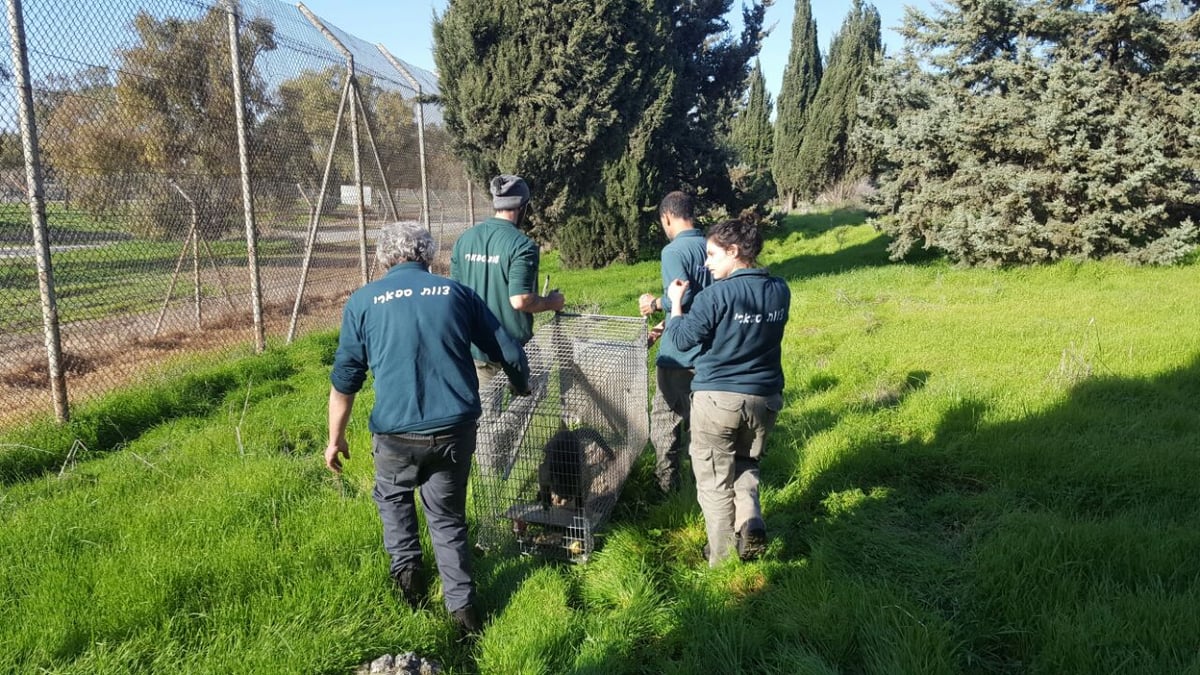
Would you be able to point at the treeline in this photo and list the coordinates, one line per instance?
(1030, 131)
(145, 141)
(1004, 132)
(1011, 131)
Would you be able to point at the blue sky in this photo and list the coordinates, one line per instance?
(403, 26)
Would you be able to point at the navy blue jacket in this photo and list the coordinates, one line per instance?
(738, 323)
(414, 331)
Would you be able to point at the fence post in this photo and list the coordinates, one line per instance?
(387, 190)
(37, 211)
(362, 219)
(358, 182)
(235, 59)
(315, 212)
(470, 202)
(420, 130)
(195, 253)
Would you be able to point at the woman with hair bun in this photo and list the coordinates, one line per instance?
(737, 392)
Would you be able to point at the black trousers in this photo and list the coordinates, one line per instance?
(438, 466)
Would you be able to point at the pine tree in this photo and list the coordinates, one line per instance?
(601, 105)
(825, 156)
(801, 79)
(709, 68)
(1029, 131)
(752, 135)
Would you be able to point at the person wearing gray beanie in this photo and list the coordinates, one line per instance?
(500, 262)
(509, 192)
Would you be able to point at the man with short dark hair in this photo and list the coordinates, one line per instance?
(415, 332)
(498, 261)
(682, 258)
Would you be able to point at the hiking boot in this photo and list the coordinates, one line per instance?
(409, 585)
(466, 621)
(751, 542)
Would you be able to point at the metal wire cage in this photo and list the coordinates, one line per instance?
(549, 466)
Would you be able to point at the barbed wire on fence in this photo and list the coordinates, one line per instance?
(149, 247)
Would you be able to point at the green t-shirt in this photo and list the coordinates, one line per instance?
(498, 261)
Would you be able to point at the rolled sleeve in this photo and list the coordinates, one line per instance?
(523, 270)
(350, 361)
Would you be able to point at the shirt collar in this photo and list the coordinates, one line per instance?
(407, 266)
(755, 271)
(496, 220)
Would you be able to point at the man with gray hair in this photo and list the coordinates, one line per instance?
(415, 332)
(498, 261)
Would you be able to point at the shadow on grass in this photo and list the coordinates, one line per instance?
(1061, 542)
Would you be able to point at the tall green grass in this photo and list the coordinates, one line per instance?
(977, 471)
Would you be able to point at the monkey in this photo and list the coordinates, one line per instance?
(563, 477)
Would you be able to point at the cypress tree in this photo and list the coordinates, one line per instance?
(801, 79)
(752, 135)
(1028, 131)
(708, 70)
(825, 156)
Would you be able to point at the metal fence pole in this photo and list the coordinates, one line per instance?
(387, 190)
(420, 130)
(195, 252)
(349, 56)
(162, 313)
(312, 215)
(316, 213)
(37, 211)
(239, 102)
(196, 272)
(470, 202)
(358, 181)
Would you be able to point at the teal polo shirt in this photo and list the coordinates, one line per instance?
(498, 261)
(682, 258)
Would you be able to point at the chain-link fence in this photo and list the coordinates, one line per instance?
(190, 196)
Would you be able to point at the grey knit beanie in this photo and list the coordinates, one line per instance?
(509, 192)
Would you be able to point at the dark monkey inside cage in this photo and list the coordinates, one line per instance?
(549, 467)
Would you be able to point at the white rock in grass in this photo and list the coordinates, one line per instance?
(407, 663)
(381, 665)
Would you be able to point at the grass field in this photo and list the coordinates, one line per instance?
(981, 471)
(104, 272)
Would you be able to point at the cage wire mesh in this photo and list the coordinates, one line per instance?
(549, 466)
(135, 111)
